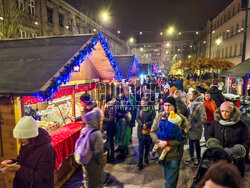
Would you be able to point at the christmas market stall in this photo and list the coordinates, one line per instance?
(237, 80)
(128, 65)
(44, 78)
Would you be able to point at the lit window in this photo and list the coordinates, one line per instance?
(32, 7)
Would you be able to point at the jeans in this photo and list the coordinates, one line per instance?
(170, 173)
(144, 143)
(206, 126)
(197, 146)
(110, 139)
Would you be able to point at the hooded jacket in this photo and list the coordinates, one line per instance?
(216, 96)
(229, 132)
(37, 163)
(197, 116)
(109, 120)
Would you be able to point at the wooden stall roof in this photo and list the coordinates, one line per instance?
(27, 65)
(124, 63)
(240, 70)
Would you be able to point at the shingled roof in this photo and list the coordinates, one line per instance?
(26, 65)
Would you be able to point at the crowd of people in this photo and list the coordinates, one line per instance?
(181, 117)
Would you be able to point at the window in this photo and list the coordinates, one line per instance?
(60, 17)
(231, 50)
(71, 25)
(222, 53)
(22, 34)
(32, 7)
(235, 49)
(49, 15)
(20, 4)
(223, 36)
(238, 7)
(229, 15)
(78, 28)
(237, 28)
(233, 12)
(225, 18)
(226, 55)
(241, 48)
(232, 31)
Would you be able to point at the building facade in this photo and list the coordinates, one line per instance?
(223, 35)
(56, 17)
(161, 53)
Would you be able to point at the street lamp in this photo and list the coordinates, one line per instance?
(105, 16)
(140, 33)
(170, 30)
(161, 33)
(118, 31)
(218, 42)
(131, 40)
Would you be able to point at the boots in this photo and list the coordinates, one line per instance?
(140, 164)
(146, 161)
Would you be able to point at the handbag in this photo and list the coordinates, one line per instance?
(147, 130)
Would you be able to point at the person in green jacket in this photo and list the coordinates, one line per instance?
(172, 159)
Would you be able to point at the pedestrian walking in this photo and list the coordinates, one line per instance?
(181, 106)
(210, 108)
(34, 166)
(197, 116)
(216, 95)
(145, 117)
(173, 157)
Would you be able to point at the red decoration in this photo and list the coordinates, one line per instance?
(61, 93)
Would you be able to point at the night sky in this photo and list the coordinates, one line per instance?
(152, 16)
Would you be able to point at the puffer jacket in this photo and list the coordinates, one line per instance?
(182, 107)
(176, 152)
(230, 132)
(37, 163)
(216, 95)
(197, 116)
(109, 120)
(210, 107)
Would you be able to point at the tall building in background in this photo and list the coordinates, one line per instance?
(56, 17)
(163, 53)
(223, 36)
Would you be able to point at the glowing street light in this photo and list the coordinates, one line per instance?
(213, 31)
(191, 46)
(204, 42)
(197, 33)
(94, 30)
(1, 18)
(118, 31)
(218, 42)
(131, 40)
(161, 33)
(180, 33)
(104, 15)
(141, 49)
(170, 30)
(36, 23)
(140, 33)
(168, 44)
(189, 56)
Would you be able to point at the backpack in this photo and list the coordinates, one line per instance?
(83, 151)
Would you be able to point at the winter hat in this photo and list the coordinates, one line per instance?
(190, 90)
(167, 86)
(214, 143)
(177, 94)
(173, 89)
(215, 84)
(93, 118)
(174, 118)
(227, 106)
(170, 100)
(25, 128)
(86, 98)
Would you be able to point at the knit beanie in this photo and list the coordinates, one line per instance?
(177, 94)
(174, 118)
(215, 84)
(227, 106)
(190, 90)
(170, 100)
(167, 86)
(86, 98)
(25, 128)
(173, 89)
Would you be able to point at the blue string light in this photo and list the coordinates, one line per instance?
(64, 75)
(135, 60)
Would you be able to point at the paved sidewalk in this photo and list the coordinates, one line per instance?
(126, 174)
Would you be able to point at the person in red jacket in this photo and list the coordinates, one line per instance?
(210, 108)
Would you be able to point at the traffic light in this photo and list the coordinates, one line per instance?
(244, 4)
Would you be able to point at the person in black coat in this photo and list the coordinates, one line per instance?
(35, 163)
(229, 129)
(109, 124)
(216, 95)
(145, 117)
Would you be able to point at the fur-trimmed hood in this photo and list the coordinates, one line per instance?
(110, 103)
(235, 117)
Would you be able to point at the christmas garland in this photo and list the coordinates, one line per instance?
(135, 60)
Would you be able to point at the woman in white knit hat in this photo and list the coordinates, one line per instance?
(35, 163)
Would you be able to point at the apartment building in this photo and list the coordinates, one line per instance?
(161, 53)
(224, 35)
(56, 17)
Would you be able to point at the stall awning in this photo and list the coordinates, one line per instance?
(39, 66)
(128, 65)
(240, 70)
